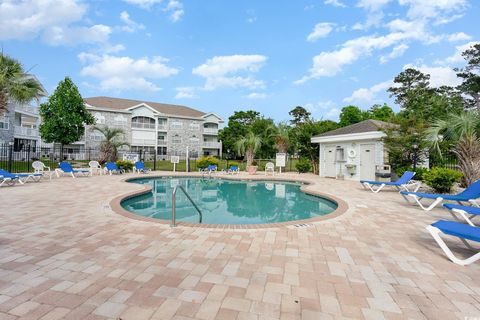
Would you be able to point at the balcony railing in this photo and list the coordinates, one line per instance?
(163, 127)
(26, 108)
(143, 142)
(210, 130)
(212, 144)
(26, 131)
(162, 142)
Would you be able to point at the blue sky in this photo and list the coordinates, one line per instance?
(222, 56)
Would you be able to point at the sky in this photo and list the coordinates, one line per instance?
(224, 56)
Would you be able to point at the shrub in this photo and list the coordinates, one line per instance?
(303, 165)
(233, 163)
(206, 161)
(420, 172)
(442, 179)
(125, 164)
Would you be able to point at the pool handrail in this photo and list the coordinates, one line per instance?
(174, 193)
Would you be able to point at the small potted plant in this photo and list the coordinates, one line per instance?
(252, 169)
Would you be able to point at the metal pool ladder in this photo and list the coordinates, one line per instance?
(174, 193)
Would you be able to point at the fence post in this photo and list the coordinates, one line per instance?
(10, 157)
(155, 160)
(28, 158)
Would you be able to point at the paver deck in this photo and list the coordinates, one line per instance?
(64, 254)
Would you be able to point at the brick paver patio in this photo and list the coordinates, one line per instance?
(64, 254)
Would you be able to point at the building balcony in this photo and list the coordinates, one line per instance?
(212, 131)
(143, 142)
(212, 144)
(162, 142)
(162, 127)
(26, 132)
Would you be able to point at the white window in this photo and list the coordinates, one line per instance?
(194, 139)
(120, 120)
(176, 139)
(143, 123)
(194, 125)
(4, 123)
(97, 136)
(176, 125)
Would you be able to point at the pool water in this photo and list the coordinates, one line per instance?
(227, 201)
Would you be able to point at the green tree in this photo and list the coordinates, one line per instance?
(300, 115)
(381, 112)
(15, 84)
(265, 128)
(471, 76)
(238, 125)
(461, 132)
(282, 137)
(64, 115)
(248, 145)
(351, 114)
(114, 138)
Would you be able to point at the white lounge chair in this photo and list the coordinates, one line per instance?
(66, 167)
(403, 183)
(95, 168)
(270, 167)
(40, 167)
(466, 212)
(462, 231)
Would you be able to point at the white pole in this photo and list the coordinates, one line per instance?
(186, 161)
(174, 164)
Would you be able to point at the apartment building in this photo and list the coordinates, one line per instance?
(153, 127)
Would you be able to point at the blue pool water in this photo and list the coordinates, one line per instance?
(227, 201)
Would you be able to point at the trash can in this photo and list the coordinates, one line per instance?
(383, 173)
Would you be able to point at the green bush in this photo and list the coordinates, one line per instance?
(303, 165)
(233, 163)
(206, 161)
(420, 172)
(125, 164)
(442, 179)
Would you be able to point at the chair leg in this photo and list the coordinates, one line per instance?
(432, 205)
(464, 214)
(435, 232)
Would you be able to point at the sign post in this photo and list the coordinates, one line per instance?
(280, 160)
(174, 160)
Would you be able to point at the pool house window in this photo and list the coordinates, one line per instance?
(143, 123)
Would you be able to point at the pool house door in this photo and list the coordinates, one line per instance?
(330, 170)
(367, 161)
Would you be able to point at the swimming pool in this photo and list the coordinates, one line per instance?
(227, 201)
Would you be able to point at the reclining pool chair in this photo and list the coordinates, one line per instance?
(66, 167)
(111, 167)
(233, 170)
(10, 178)
(139, 167)
(471, 193)
(404, 183)
(462, 231)
(466, 212)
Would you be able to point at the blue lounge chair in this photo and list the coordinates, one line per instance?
(404, 183)
(463, 211)
(139, 167)
(66, 167)
(8, 177)
(462, 231)
(471, 193)
(211, 168)
(111, 167)
(233, 170)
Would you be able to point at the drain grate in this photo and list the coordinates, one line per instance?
(302, 225)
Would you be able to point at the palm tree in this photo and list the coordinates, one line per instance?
(248, 145)
(109, 146)
(15, 84)
(282, 140)
(462, 132)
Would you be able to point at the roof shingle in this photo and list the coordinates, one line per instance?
(360, 127)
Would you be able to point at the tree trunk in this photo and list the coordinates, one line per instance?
(249, 155)
(3, 103)
(468, 153)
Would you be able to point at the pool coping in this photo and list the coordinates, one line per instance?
(115, 203)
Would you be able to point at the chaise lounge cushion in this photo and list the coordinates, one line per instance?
(467, 209)
(458, 229)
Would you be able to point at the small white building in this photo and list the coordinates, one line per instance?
(354, 152)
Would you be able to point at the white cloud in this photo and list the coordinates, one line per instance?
(374, 13)
(72, 36)
(335, 3)
(396, 52)
(323, 109)
(457, 57)
(439, 76)
(185, 93)
(175, 9)
(441, 11)
(368, 96)
(459, 36)
(125, 73)
(221, 71)
(50, 19)
(320, 30)
(130, 25)
(257, 95)
(145, 4)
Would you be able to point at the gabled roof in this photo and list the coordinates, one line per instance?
(360, 127)
(124, 104)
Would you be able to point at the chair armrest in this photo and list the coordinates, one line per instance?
(475, 202)
(46, 168)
